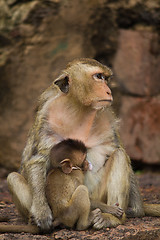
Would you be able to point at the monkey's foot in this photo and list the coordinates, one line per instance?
(104, 220)
(92, 215)
(42, 217)
(116, 210)
(98, 221)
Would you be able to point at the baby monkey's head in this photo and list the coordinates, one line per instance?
(69, 155)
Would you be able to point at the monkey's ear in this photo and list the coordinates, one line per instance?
(63, 83)
(66, 166)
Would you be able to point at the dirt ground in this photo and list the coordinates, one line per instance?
(146, 228)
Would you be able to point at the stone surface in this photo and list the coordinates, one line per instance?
(140, 128)
(137, 62)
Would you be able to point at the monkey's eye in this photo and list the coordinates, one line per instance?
(99, 76)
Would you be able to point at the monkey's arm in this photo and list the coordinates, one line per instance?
(35, 170)
(114, 209)
(115, 189)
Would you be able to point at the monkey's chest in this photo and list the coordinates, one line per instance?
(90, 135)
(89, 126)
(70, 129)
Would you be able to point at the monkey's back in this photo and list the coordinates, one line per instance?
(60, 188)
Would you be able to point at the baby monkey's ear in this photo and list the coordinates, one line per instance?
(66, 166)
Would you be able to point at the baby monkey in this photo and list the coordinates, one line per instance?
(67, 196)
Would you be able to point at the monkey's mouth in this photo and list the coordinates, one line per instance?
(106, 100)
(102, 103)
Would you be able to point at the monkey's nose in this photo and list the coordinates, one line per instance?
(109, 93)
(108, 90)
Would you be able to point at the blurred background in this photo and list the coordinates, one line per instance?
(38, 39)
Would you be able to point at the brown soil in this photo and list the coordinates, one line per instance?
(146, 228)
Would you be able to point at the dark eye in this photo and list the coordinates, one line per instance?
(99, 76)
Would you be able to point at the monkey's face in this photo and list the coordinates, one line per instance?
(86, 83)
(76, 161)
(78, 158)
(103, 95)
(89, 84)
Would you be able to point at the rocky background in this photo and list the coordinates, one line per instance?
(38, 38)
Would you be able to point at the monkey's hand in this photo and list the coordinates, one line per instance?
(103, 220)
(98, 221)
(42, 216)
(116, 210)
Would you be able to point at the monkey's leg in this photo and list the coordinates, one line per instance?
(136, 208)
(117, 187)
(35, 169)
(78, 209)
(83, 204)
(118, 180)
(20, 192)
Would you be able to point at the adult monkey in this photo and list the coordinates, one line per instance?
(77, 106)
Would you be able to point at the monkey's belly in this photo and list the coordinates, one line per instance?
(94, 183)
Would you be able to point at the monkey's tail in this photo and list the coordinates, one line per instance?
(19, 229)
(152, 210)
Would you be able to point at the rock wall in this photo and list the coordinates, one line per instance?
(38, 38)
(137, 64)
